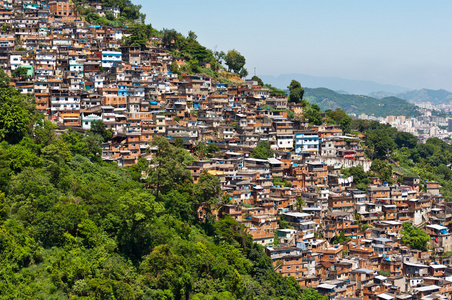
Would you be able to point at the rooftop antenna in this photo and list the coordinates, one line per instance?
(254, 71)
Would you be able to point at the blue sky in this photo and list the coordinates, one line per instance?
(406, 43)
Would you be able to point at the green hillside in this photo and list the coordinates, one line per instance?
(357, 104)
(75, 227)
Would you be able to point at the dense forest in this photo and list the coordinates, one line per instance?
(73, 226)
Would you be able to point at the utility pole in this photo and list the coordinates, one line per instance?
(254, 71)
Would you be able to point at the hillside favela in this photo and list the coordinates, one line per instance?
(137, 163)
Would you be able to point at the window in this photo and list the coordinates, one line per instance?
(331, 256)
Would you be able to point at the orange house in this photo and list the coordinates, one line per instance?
(332, 254)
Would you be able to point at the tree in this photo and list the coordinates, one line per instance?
(131, 11)
(44, 131)
(169, 271)
(20, 72)
(139, 35)
(110, 16)
(219, 56)
(235, 61)
(169, 167)
(359, 176)
(380, 143)
(98, 127)
(192, 35)
(340, 239)
(207, 191)
(174, 68)
(384, 273)
(415, 237)
(259, 81)
(229, 230)
(194, 66)
(179, 143)
(4, 80)
(311, 294)
(336, 115)
(14, 123)
(313, 115)
(300, 203)
(282, 222)
(340, 117)
(262, 150)
(383, 169)
(361, 125)
(211, 149)
(169, 37)
(405, 139)
(443, 171)
(296, 92)
(17, 248)
(346, 124)
(243, 73)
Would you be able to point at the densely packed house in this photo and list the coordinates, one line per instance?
(80, 73)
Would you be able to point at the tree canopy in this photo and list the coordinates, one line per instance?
(235, 61)
(259, 81)
(380, 143)
(139, 35)
(20, 72)
(311, 294)
(262, 150)
(340, 117)
(312, 113)
(296, 92)
(415, 237)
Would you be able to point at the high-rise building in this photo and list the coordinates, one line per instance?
(449, 123)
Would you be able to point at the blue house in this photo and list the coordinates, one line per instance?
(122, 91)
(306, 141)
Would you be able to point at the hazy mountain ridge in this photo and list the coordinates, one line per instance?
(360, 87)
(426, 95)
(383, 94)
(358, 104)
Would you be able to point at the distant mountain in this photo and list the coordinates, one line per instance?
(359, 87)
(342, 92)
(382, 94)
(425, 95)
(357, 104)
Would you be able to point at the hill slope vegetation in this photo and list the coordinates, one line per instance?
(357, 104)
